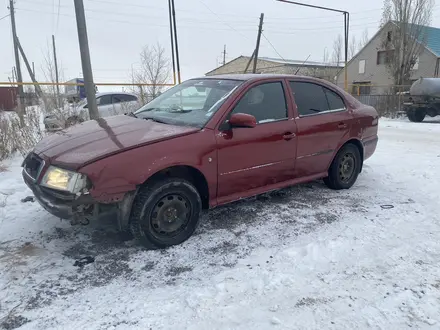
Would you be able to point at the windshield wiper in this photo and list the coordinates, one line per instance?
(179, 110)
(156, 120)
(131, 114)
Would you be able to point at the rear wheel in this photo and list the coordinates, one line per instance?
(416, 116)
(345, 168)
(165, 213)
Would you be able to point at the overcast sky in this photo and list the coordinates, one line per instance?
(118, 29)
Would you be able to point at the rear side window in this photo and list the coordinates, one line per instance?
(334, 100)
(312, 98)
(126, 98)
(309, 98)
(266, 102)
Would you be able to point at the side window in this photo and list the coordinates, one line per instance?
(335, 102)
(104, 100)
(266, 102)
(117, 99)
(310, 98)
(125, 98)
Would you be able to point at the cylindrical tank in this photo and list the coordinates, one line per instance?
(426, 87)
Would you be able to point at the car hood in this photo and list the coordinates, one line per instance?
(82, 144)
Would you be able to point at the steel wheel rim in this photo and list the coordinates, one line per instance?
(347, 167)
(170, 216)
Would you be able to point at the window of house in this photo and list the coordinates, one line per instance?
(362, 66)
(266, 102)
(361, 88)
(312, 98)
(416, 64)
(384, 56)
(389, 35)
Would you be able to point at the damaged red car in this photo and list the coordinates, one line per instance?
(203, 143)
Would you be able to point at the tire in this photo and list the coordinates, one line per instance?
(73, 121)
(416, 116)
(152, 223)
(348, 158)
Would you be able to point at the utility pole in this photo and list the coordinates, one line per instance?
(17, 62)
(260, 30)
(224, 55)
(175, 42)
(31, 74)
(85, 59)
(33, 68)
(58, 101)
(172, 41)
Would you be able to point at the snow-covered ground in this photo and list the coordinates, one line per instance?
(302, 258)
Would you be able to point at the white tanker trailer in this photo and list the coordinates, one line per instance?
(424, 99)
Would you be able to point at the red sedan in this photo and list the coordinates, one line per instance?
(206, 142)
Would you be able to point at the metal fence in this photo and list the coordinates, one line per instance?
(386, 105)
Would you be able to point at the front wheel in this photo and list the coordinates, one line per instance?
(74, 120)
(345, 168)
(165, 213)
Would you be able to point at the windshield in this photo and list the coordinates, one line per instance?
(191, 103)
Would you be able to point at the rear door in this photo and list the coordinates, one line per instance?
(323, 121)
(251, 158)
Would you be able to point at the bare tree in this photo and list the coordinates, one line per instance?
(337, 50)
(49, 72)
(364, 40)
(352, 48)
(405, 39)
(154, 70)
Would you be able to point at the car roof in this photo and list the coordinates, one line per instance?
(256, 76)
(114, 93)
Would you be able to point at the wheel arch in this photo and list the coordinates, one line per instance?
(187, 172)
(356, 143)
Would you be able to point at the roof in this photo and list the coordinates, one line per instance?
(430, 36)
(256, 76)
(299, 62)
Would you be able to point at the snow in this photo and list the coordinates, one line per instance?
(302, 258)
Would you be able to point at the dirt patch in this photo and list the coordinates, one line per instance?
(308, 301)
(326, 217)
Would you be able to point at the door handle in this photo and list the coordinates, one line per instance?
(288, 136)
(342, 125)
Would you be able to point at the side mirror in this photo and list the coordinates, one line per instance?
(242, 120)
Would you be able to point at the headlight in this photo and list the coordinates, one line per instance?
(58, 178)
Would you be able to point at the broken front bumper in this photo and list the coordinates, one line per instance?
(77, 208)
(60, 204)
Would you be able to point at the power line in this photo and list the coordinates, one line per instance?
(5, 16)
(284, 31)
(273, 47)
(223, 21)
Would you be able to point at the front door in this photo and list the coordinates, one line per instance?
(105, 107)
(323, 121)
(251, 158)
